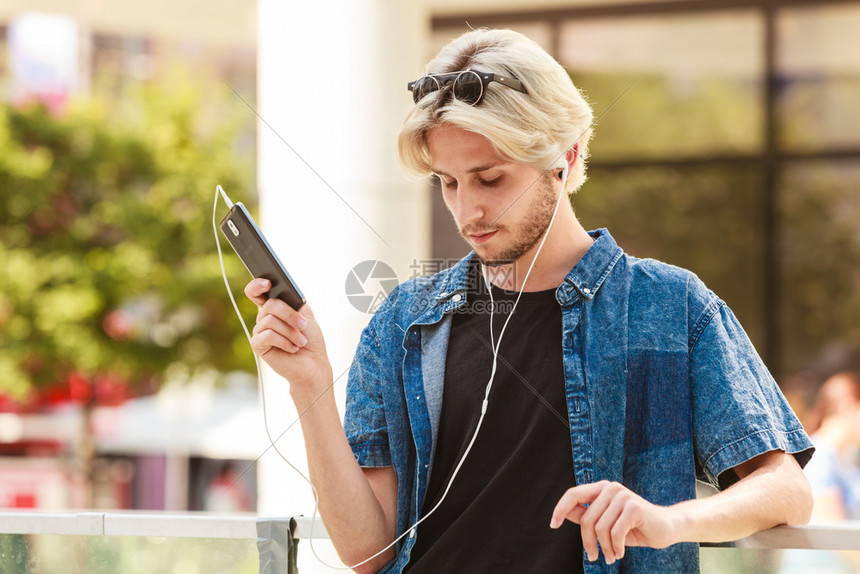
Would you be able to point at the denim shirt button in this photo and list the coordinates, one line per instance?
(586, 290)
(412, 533)
(456, 298)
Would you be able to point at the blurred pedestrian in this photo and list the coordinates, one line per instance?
(834, 472)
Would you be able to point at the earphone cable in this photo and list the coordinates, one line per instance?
(484, 404)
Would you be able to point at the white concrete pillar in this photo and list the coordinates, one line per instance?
(332, 84)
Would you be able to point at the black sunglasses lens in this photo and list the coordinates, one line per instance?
(469, 88)
(423, 87)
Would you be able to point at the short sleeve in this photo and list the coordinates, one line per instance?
(364, 420)
(738, 410)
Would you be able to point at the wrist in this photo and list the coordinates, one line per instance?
(306, 395)
(681, 523)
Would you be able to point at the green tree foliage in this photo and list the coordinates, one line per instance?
(108, 266)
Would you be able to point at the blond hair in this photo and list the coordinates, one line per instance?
(535, 128)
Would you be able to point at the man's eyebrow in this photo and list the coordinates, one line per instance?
(476, 169)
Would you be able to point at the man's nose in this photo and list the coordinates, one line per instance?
(470, 206)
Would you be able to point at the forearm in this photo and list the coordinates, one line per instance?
(357, 522)
(358, 507)
(774, 493)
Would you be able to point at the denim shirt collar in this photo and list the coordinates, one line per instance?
(457, 281)
(587, 276)
(584, 280)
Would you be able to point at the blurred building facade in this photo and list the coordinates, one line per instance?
(727, 142)
(131, 40)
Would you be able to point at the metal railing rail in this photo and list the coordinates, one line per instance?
(276, 537)
(842, 536)
(129, 524)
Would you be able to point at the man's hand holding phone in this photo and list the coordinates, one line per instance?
(291, 342)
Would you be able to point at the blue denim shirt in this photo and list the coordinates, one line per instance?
(662, 386)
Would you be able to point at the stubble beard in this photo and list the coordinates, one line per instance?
(530, 230)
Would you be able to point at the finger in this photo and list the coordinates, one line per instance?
(273, 323)
(256, 290)
(571, 499)
(588, 525)
(283, 312)
(626, 522)
(307, 311)
(575, 515)
(267, 340)
(642, 515)
(610, 536)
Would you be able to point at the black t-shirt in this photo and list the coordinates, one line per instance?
(496, 516)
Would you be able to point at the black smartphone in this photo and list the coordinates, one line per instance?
(259, 258)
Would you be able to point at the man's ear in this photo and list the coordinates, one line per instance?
(572, 154)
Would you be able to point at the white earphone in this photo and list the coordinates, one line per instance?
(564, 167)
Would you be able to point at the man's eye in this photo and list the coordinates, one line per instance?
(447, 184)
(490, 182)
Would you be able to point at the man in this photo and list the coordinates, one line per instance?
(584, 390)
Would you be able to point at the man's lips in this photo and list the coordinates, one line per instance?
(481, 237)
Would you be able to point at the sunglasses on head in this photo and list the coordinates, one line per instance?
(468, 86)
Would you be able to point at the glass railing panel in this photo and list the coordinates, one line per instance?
(70, 554)
(790, 561)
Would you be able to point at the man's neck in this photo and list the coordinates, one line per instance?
(564, 247)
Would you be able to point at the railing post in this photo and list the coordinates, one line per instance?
(276, 545)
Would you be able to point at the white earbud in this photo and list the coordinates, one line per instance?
(562, 165)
